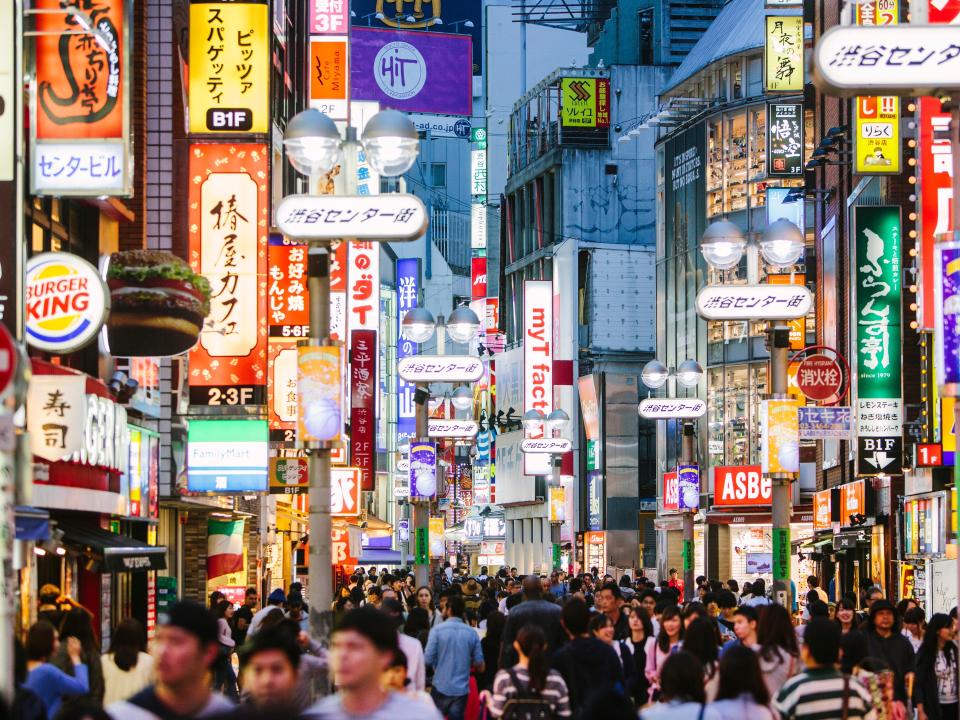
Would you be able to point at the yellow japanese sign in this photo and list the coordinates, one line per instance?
(779, 437)
(558, 502)
(229, 88)
(585, 102)
(877, 119)
(783, 53)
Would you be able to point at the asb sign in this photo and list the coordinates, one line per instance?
(66, 302)
(738, 486)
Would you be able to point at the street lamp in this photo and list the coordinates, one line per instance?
(463, 325)
(313, 146)
(532, 420)
(418, 325)
(723, 244)
(558, 420)
(462, 398)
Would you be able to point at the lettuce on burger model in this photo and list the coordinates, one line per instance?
(157, 304)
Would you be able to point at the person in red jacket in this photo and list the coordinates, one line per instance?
(676, 582)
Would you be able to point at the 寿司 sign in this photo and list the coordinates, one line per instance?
(440, 368)
(395, 217)
(753, 302)
(554, 446)
(743, 485)
(437, 428)
(66, 302)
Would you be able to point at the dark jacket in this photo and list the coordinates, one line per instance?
(588, 666)
(531, 612)
(898, 652)
(925, 689)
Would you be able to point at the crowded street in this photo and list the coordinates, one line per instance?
(479, 359)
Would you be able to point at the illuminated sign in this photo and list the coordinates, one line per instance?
(734, 486)
(671, 408)
(877, 148)
(822, 517)
(229, 88)
(936, 160)
(753, 302)
(330, 76)
(785, 140)
(396, 217)
(408, 297)
(783, 53)
(319, 386)
(779, 436)
(344, 492)
(688, 487)
(66, 302)
(478, 172)
(947, 312)
(289, 476)
(329, 16)
(423, 470)
(363, 389)
(228, 245)
(227, 455)
(441, 368)
(585, 102)
(478, 226)
(440, 428)
(537, 362)
(478, 275)
(853, 501)
(554, 446)
(671, 491)
(80, 119)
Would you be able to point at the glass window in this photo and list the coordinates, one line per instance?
(758, 387)
(714, 166)
(737, 79)
(438, 175)
(758, 143)
(735, 162)
(736, 427)
(715, 421)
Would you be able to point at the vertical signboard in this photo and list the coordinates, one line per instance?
(478, 278)
(785, 140)
(363, 389)
(478, 228)
(8, 97)
(478, 172)
(936, 196)
(330, 76)
(947, 304)
(229, 88)
(423, 470)
(408, 297)
(877, 286)
(783, 53)
(537, 363)
(779, 437)
(329, 16)
(79, 112)
(585, 102)
(228, 245)
(363, 286)
(319, 386)
(876, 146)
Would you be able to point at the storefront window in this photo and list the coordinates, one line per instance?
(714, 166)
(758, 388)
(715, 440)
(736, 415)
(758, 143)
(737, 80)
(735, 161)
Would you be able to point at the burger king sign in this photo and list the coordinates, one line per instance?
(66, 302)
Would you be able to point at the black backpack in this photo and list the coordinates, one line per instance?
(527, 704)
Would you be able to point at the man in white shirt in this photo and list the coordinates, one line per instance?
(416, 669)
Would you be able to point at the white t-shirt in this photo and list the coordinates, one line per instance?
(120, 684)
(416, 670)
(397, 707)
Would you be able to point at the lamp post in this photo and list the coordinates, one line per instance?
(553, 427)
(688, 374)
(782, 245)
(418, 326)
(313, 146)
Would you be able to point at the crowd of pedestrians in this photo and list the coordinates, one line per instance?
(504, 646)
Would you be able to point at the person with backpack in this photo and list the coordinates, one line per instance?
(529, 690)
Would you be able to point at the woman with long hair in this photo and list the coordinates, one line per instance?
(225, 679)
(490, 644)
(424, 598)
(78, 622)
(45, 680)
(530, 678)
(701, 638)
(665, 643)
(127, 668)
(935, 692)
(846, 616)
(417, 625)
(681, 690)
(602, 628)
(742, 693)
(641, 630)
(779, 655)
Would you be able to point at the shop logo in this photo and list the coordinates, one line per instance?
(66, 302)
(400, 70)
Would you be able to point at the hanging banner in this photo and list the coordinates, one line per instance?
(228, 207)
(408, 297)
(688, 487)
(225, 552)
(783, 53)
(877, 286)
(80, 109)
(779, 436)
(423, 470)
(437, 543)
(363, 389)
(785, 140)
(537, 364)
(585, 102)
(319, 386)
(936, 197)
(229, 88)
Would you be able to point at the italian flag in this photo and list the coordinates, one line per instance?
(224, 547)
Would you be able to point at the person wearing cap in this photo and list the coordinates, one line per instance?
(275, 599)
(884, 640)
(362, 648)
(185, 649)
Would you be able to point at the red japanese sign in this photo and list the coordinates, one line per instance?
(930, 455)
(288, 303)
(671, 491)
(936, 197)
(282, 390)
(478, 274)
(737, 486)
(363, 389)
(363, 286)
(943, 12)
(820, 378)
(228, 208)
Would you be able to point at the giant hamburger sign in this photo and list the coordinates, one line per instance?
(66, 302)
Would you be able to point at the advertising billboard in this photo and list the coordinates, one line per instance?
(537, 363)
(585, 102)
(412, 71)
(228, 222)
(227, 456)
(408, 297)
(79, 112)
(785, 140)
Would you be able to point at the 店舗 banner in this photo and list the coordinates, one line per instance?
(228, 245)
(878, 363)
(537, 363)
(412, 71)
(79, 111)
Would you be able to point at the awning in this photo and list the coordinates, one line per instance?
(118, 553)
(32, 523)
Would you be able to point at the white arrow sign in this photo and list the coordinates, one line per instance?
(887, 60)
(395, 217)
(753, 302)
(451, 428)
(670, 409)
(440, 368)
(553, 446)
(880, 459)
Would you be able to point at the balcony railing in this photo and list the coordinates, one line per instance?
(450, 232)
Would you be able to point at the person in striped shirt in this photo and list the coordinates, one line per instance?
(822, 692)
(531, 679)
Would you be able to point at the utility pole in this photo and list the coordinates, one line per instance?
(688, 457)
(780, 498)
(421, 508)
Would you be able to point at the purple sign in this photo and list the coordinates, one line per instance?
(947, 289)
(423, 470)
(412, 71)
(688, 487)
(408, 293)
